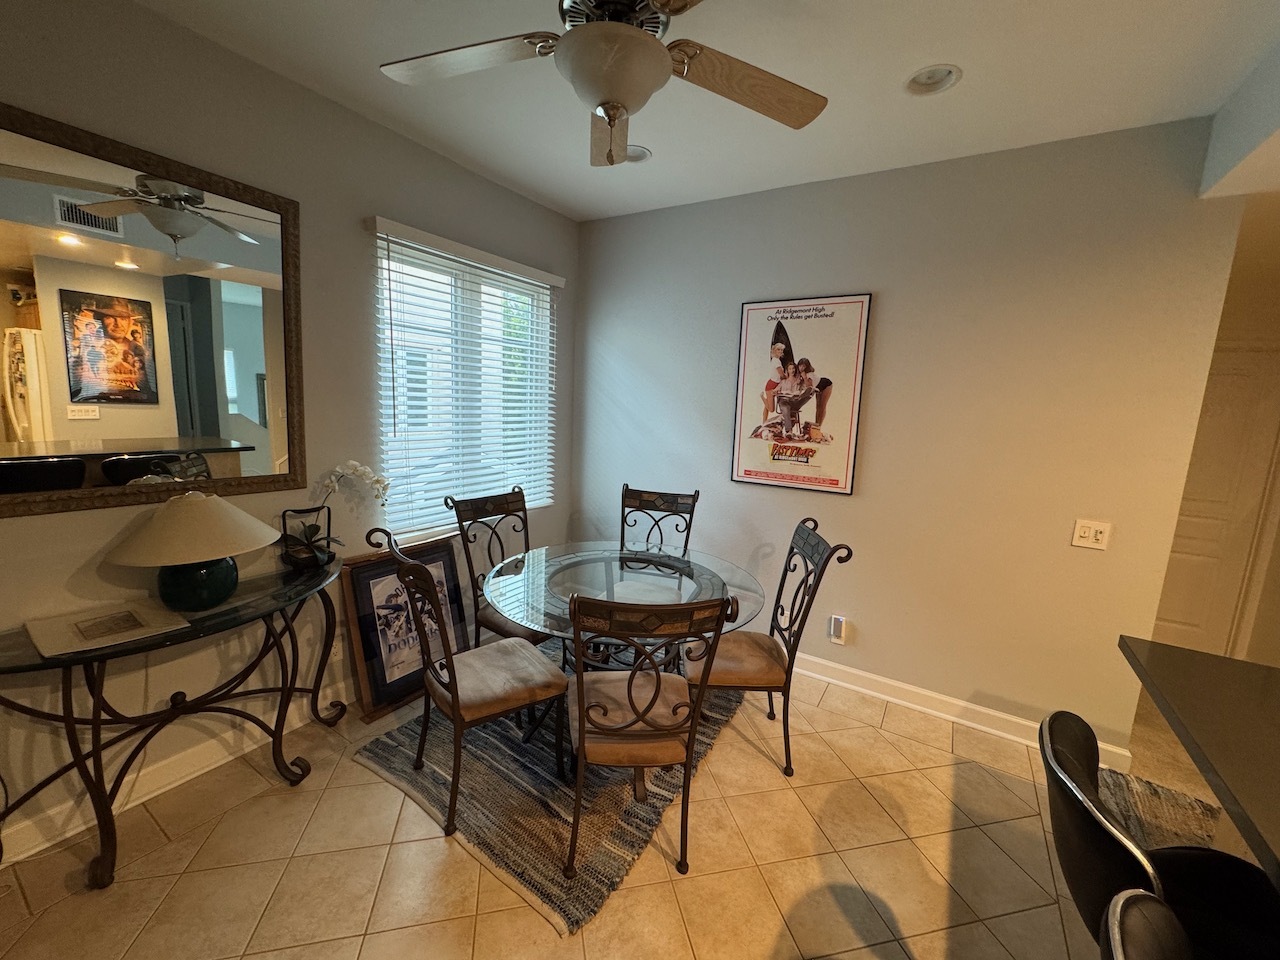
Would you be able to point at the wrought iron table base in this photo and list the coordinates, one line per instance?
(107, 726)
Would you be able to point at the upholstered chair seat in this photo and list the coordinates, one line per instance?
(492, 620)
(610, 690)
(499, 678)
(744, 658)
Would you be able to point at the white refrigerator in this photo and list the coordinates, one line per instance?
(24, 392)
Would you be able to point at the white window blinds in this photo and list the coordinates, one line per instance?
(466, 371)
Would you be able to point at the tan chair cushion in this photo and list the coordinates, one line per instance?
(491, 619)
(638, 746)
(498, 678)
(744, 658)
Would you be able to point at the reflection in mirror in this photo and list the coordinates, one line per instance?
(145, 317)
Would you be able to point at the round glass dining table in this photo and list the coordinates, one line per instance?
(533, 588)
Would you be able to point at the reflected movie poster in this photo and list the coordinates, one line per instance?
(110, 348)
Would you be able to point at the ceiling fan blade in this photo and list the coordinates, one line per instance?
(115, 208)
(759, 90)
(673, 7)
(225, 226)
(237, 213)
(468, 59)
(58, 180)
(608, 143)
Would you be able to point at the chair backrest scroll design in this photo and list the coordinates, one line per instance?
(657, 519)
(806, 564)
(649, 638)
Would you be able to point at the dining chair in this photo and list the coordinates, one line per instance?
(1227, 906)
(45, 473)
(750, 660)
(1141, 926)
(492, 528)
(646, 715)
(475, 685)
(657, 519)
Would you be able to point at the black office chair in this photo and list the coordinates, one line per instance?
(119, 470)
(1227, 906)
(36, 476)
(1141, 926)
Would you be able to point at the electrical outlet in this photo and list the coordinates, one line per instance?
(835, 629)
(75, 412)
(1092, 534)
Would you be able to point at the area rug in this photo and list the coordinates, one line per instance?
(1158, 816)
(514, 813)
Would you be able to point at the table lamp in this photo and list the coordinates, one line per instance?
(192, 539)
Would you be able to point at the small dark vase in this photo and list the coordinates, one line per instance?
(311, 550)
(307, 558)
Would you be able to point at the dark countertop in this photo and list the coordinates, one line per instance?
(1226, 712)
(38, 449)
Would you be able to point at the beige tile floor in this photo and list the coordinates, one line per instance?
(900, 836)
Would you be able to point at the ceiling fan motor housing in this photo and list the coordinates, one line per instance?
(638, 13)
(609, 62)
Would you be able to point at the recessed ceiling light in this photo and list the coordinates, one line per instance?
(126, 265)
(70, 240)
(637, 153)
(934, 79)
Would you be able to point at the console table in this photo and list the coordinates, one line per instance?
(275, 600)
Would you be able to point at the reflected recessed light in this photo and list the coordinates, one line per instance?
(126, 265)
(70, 240)
(637, 153)
(934, 79)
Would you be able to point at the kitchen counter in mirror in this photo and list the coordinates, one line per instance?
(221, 455)
(39, 449)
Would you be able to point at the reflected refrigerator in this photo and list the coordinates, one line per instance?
(22, 391)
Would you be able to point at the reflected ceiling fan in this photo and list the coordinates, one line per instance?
(175, 210)
(612, 55)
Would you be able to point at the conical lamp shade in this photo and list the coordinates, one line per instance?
(189, 529)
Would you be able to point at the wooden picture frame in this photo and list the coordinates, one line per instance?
(797, 426)
(384, 646)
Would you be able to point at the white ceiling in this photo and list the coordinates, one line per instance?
(1033, 72)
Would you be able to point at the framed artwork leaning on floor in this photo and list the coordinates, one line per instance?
(384, 645)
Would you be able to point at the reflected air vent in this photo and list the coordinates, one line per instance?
(69, 215)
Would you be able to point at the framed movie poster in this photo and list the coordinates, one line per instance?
(799, 387)
(384, 643)
(110, 348)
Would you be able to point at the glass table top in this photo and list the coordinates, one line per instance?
(533, 588)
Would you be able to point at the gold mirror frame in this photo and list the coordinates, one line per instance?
(103, 148)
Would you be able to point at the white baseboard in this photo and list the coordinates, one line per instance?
(24, 837)
(998, 724)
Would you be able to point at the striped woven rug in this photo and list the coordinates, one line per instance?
(514, 812)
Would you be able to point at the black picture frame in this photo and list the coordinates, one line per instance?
(796, 426)
(384, 645)
(110, 348)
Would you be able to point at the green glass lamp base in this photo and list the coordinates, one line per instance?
(198, 586)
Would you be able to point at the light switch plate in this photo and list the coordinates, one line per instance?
(75, 412)
(1092, 534)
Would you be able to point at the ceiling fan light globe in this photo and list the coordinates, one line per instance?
(173, 223)
(609, 62)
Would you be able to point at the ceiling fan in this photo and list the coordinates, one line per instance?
(175, 210)
(612, 55)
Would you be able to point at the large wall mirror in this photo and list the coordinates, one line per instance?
(149, 326)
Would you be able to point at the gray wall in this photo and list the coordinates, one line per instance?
(1040, 334)
(186, 98)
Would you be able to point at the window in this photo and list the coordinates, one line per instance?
(466, 376)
